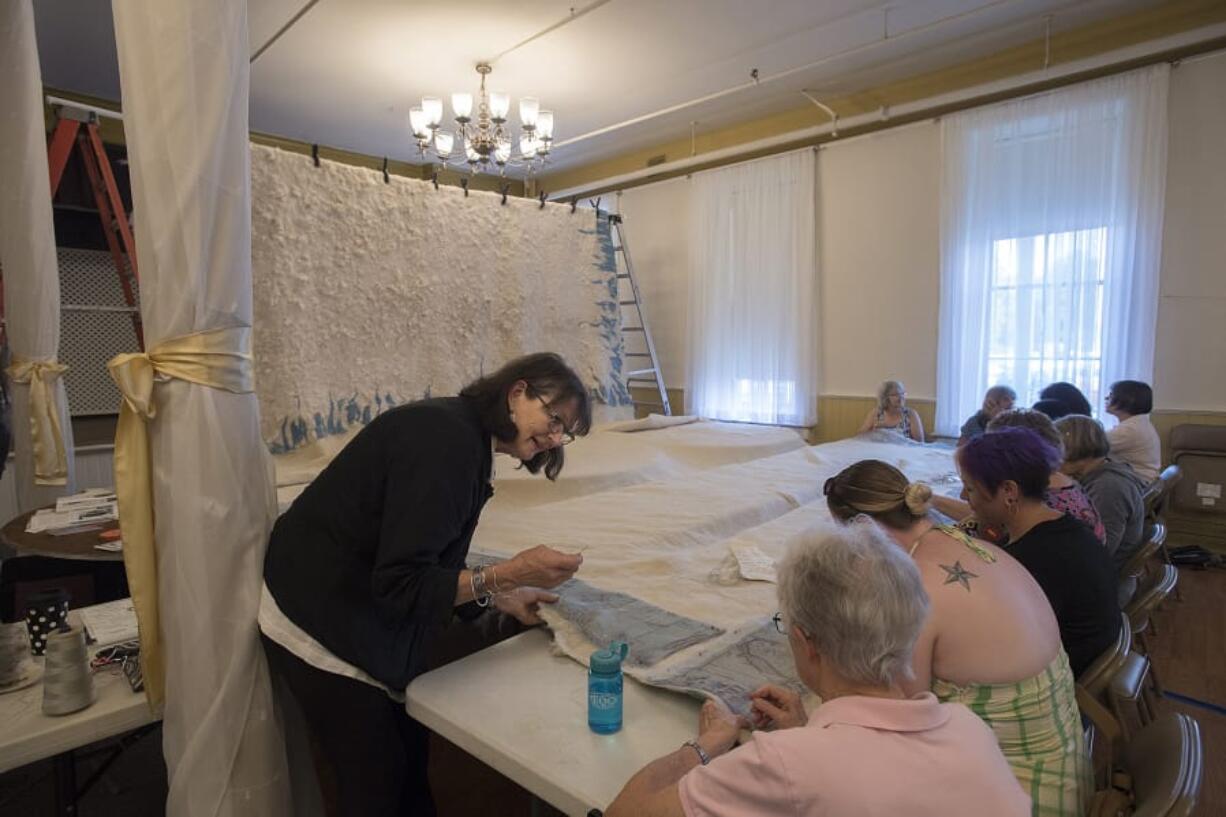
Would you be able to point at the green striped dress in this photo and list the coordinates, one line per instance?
(1038, 726)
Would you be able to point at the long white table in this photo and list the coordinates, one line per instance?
(523, 711)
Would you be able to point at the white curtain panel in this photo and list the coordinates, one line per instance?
(753, 291)
(184, 77)
(1051, 232)
(27, 249)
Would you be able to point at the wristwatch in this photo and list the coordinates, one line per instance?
(703, 757)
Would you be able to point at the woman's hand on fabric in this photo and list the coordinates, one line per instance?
(718, 727)
(542, 566)
(775, 707)
(524, 604)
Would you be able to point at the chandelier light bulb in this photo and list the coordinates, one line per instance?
(527, 146)
(544, 124)
(502, 153)
(529, 106)
(432, 106)
(417, 122)
(471, 152)
(500, 103)
(462, 105)
(443, 142)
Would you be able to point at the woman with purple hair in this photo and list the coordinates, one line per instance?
(1005, 475)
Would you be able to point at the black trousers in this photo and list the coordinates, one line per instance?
(372, 750)
(375, 756)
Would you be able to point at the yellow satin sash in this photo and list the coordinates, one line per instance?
(216, 358)
(50, 456)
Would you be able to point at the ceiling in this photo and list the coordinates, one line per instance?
(346, 73)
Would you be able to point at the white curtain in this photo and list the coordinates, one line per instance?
(753, 291)
(184, 76)
(1051, 231)
(42, 436)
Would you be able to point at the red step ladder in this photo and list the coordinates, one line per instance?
(78, 128)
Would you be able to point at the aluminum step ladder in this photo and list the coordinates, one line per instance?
(638, 345)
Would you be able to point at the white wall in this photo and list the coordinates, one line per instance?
(656, 219)
(1188, 370)
(879, 239)
(878, 235)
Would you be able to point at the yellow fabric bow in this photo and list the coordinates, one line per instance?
(50, 456)
(216, 358)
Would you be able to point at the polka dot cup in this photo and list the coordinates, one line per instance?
(45, 613)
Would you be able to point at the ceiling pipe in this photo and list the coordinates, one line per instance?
(755, 79)
(834, 117)
(281, 31)
(575, 14)
(1134, 56)
(83, 106)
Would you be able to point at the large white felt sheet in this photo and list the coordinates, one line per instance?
(370, 294)
(665, 542)
(602, 461)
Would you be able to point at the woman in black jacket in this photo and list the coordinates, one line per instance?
(367, 567)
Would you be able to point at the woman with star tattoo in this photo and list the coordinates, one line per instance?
(991, 642)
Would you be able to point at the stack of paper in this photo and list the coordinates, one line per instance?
(110, 623)
(84, 511)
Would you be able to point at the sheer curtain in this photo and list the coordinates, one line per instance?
(42, 432)
(753, 291)
(1051, 234)
(184, 68)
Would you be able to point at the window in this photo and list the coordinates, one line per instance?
(1051, 238)
(1045, 312)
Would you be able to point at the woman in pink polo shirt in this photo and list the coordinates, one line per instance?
(853, 605)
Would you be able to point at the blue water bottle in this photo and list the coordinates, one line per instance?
(604, 689)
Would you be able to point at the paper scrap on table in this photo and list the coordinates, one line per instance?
(111, 547)
(754, 564)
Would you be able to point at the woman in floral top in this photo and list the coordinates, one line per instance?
(1064, 493)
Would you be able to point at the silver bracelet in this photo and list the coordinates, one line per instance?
(476, 580)
(703, 757)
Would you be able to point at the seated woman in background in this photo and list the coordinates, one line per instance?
(996, 400)
(852, 605)
(1063, 493)
(1005, 474)
(1052, 409)
(1116, 490)
(991, 641)
(892, 414)
(1069, 395)
(1134, 440)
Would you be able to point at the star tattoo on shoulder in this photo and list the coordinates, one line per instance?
(959, 574)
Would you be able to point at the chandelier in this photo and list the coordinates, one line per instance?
(484, 142)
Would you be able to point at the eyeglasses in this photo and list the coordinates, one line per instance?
(556, 424)
(778, 619)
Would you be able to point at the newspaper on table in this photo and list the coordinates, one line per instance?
(76, 513)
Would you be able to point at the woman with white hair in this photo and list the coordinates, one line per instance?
(853, 605)
(892, 415)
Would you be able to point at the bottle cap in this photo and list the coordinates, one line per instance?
(609, 660)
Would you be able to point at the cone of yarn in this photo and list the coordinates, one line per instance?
(68, 685)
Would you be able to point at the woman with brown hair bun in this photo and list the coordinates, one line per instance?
(991, 640)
